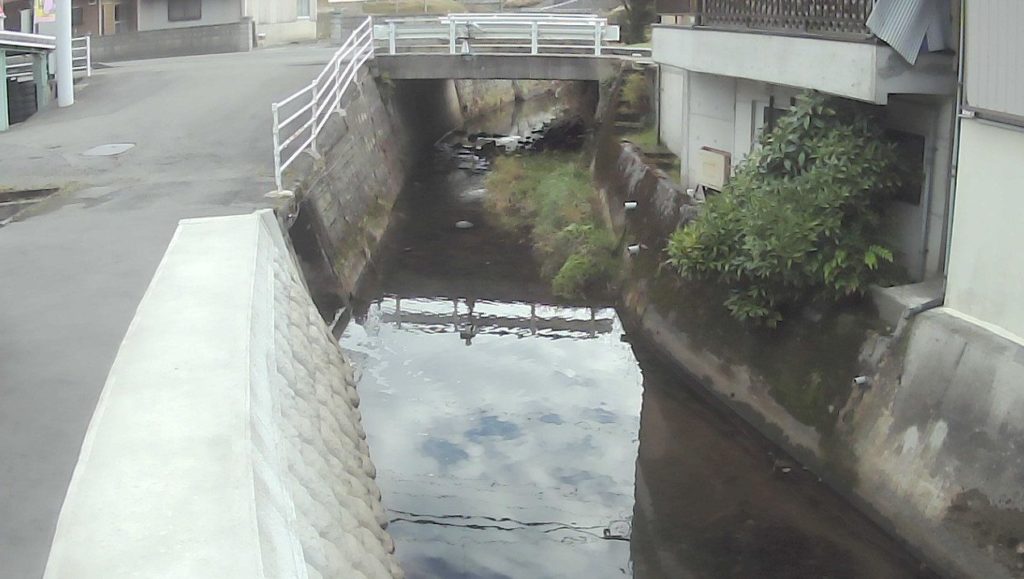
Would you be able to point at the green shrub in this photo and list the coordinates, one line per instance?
(551, 196)
(800, 220)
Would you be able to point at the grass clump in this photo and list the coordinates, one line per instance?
(636, 93)
(551, 196)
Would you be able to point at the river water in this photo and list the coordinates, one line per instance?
(515, 438)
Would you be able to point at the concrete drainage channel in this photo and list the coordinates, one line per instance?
(228, 436)
(12, 203)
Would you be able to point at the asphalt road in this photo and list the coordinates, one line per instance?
(75, 266)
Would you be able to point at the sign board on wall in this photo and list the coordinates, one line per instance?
(713, 167)
(44, 10)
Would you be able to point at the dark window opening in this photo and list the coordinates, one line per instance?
(179, 10)
(770, 114)
(909, 165)
(77, 16)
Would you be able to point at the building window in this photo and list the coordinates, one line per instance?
(910, 149)
(179, 10)
(302, 10)
(77, 16)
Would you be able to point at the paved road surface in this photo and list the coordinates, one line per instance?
(74, 271)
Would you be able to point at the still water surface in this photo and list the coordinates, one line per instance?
(514, 438)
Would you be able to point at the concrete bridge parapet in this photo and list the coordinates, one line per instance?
(495, 66)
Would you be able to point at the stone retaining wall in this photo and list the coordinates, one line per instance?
(346, 194)
(227, 441)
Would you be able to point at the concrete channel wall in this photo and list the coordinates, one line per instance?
(932, 446)
(227, 441)
(345, 195)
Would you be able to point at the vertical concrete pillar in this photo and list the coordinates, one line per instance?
(65, 82)
(42, 79)
(4, 121)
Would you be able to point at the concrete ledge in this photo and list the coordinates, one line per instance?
(227, 441)
(894, 302)
(865, 71)
(495, 66)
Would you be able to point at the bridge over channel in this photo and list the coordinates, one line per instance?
(517, 46)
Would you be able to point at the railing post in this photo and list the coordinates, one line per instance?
(534, 37)
(451, 36)
(373, 45)
(598, 33)
(88, 55)
(277, 148)
(313, 112)
(337, 83)
(41, 77)
(391, 37)
(5, 121)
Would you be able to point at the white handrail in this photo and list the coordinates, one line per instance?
(325, 93)
(81, 59)
(508, 33)
(309, 108)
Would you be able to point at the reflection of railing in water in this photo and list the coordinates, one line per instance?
(585, 322)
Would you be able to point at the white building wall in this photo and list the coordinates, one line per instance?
(670, 108)
(931, 118)
(710, 119)
(986, 257)
(153, 14)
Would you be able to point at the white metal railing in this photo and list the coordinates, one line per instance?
(81, 60)
(81, 54)
(299, 118)
(24, 40)
(501, 33)
(308, 110)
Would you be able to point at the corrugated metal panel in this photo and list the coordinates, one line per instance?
(994, 52)
(905, 24)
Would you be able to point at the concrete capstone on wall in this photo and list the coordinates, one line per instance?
(227, 442)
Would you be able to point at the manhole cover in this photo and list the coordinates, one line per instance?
(108, 150)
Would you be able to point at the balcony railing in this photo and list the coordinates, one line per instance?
(816, 17)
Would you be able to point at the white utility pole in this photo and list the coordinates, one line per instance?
(65, 82)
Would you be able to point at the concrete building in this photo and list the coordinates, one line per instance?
(125, 29)
(985, 261)
(729, 67)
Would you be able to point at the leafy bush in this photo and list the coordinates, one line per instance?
(800, 220)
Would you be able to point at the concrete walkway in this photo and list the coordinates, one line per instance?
(76, 266)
